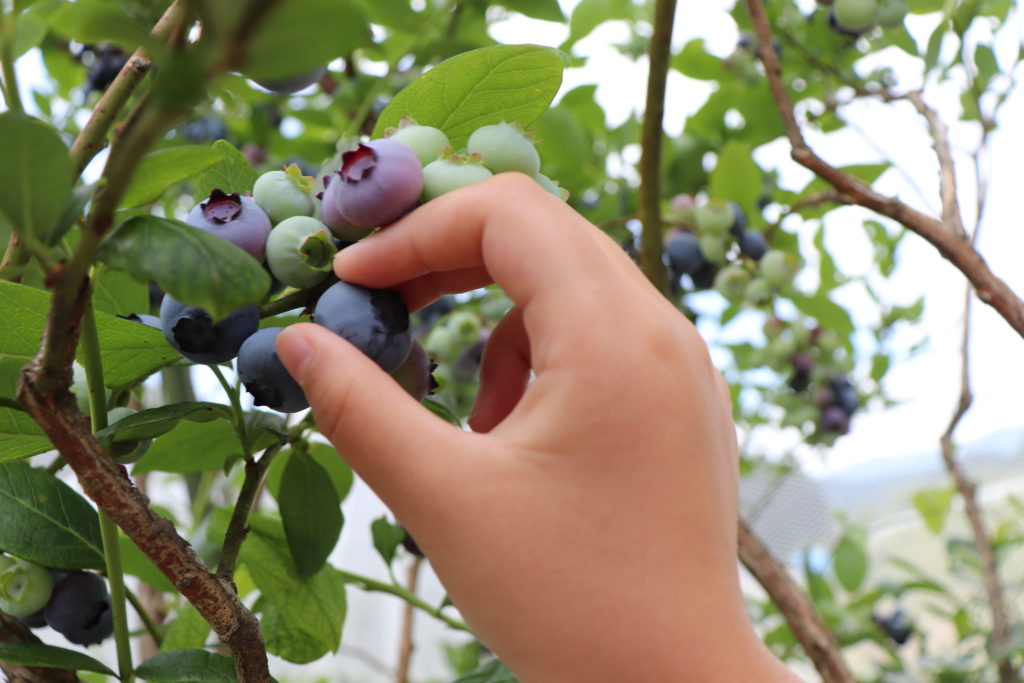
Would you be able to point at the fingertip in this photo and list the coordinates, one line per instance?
(295, 349)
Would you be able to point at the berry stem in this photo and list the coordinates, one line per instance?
(93, 363)
(154, 629)
(11, 94)
(368, 584)
(236, 407)
(255, 470)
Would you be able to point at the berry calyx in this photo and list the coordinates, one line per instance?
(300, 251)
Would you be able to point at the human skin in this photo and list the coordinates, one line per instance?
(586, 527)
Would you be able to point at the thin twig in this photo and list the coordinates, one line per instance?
(238, 527)
(990, 289)
(406, 645)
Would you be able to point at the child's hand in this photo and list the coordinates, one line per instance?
(587, 529)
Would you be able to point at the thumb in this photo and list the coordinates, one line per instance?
(393, 443)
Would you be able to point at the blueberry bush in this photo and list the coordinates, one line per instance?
(177, 177)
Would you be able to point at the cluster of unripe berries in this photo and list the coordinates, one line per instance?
(856, 17)
(298, 233)
(76, 604)
(713, 247)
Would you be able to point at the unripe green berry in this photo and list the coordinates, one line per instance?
(25, 588)
(855, 15)
(713, 247)
(776, 268)
(715, 215)
(731, 282)
(283, 194)
(758, 291)
(504, 147)
(552, 186)
(428, 142)
(450, 173)
(891, 13)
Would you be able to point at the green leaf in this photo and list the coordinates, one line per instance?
(36, 176)
(548, 10)
(195, 666)
(492, 672)
(301, 618)
(737, 176)
(694, 61)
(386, 538)
(589, 14)
(828, 313)
(442, 411)
(193, 266)
(233, 173)
(310, 512)
(933, 505)
(50, 657)
(20, 436)
(188, 630)
(119, 293)
(191, 447)
(337, 469)
(130, 351)
(96, 21)
(479, 88)
(163, 168)
(298, 37)
(850, 563)
(154, 422)
(46, 522)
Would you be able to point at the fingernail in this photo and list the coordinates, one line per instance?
(295, 352)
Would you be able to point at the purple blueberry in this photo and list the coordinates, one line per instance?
(753, 244)
(704, 276)
(739, 220)
(416, 374)
(265, 377)
(834, 419)
(290, 86)
(144, 318)
(378, 182)
(375, 321)
(237, 219)
(79, 609)
(194, 334)
(845, 395)
(683, 253)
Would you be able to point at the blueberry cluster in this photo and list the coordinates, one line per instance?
(895, 625)
(856, 17)
(713, 247)
(298, 233)
(76, 604)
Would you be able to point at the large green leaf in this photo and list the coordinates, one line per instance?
(386, 538)
(233, 173)
(491, 672)
(187, 631)
(337, 469)
(547, 10)
(850, 563)
(479, 88)
(298, 36)
(130, 351)
(154, 422)
(119, 293)
(191, 447)
(310, 512)
(301, 618)
(193, 666)
(50, 657)
(193, 266)
(827, 312)
(694, 61)
(35, 176)
(933, 505)
(45, 521)
(737, 176)
(98, 21)
(20, 436)
(163, 168)
(589, 14)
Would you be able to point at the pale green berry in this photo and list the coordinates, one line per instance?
(450, 173)
(715, 215)
(731, 282)
(855, 15)
(713, 247)
(504, 147)
(428, 142)
(776, 268)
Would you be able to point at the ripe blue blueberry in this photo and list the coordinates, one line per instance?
(193, 333)
(265, 377)
(237, 219)
(415, 375)
(683, 253)
(753, 244)
(374, 320)
(79, 609)
(377, 183)
(300, 251)
(290, 86)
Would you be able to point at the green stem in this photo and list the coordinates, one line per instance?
(11, 93)
(651, 248)
(93, 363)
(399, 591)
(115, 576)
(154, 630)
(238, 526)
(236, 407)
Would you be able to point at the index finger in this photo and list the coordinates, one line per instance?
(549, 260)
